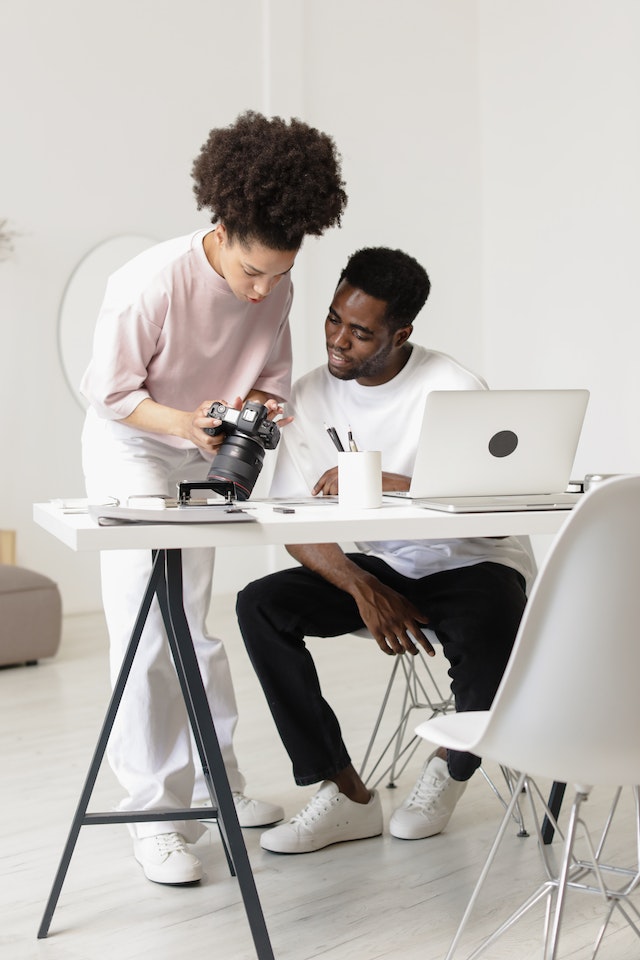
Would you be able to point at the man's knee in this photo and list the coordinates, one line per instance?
(250, 598)
(262, 598)
(246, 596)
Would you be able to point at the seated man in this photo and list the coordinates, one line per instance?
(470, 592)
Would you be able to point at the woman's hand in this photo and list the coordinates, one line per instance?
(200, 422)
(273, 406)
(191, 425)
(197, 423)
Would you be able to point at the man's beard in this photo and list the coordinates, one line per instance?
(368, 368)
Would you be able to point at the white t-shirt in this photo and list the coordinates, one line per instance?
(171, 329)
(386, 418)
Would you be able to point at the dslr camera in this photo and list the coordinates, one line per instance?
(238, 462)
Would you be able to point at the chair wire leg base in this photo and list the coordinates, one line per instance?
(510, 782)
(485, 871)
(573, 874)
(418, 693)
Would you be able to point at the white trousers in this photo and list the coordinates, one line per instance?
(151, 748)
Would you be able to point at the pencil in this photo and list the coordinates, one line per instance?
(335, 438)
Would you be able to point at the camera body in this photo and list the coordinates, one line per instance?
(238, 462)
(252, 421)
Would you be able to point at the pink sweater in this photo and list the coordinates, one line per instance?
(171, 329)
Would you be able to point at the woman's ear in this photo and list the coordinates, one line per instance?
(220, 232)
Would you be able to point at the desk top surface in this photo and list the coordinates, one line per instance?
(395, 520)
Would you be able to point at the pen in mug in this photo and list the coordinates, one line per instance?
(353, 446)
(334, 436)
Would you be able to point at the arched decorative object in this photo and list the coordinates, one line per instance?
(81, 302)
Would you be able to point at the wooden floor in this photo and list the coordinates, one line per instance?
(379, 898)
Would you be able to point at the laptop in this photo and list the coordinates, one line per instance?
(496, 450)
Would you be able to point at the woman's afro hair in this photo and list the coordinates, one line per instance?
(270, 181)
(392, 276)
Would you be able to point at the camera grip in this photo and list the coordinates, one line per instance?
(217, 411)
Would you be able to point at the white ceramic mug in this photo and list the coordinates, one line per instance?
(360, 479)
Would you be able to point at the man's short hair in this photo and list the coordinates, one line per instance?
(392, 276)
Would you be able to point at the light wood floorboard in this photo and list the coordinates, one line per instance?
(379, 898)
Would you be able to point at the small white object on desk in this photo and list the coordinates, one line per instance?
(146, 503)
(360, 479)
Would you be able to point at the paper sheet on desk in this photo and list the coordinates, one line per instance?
(296, 501)
(107, 515)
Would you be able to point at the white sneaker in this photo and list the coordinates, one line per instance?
(165, 859)
(329, 817)
(428, 808)
(256, 813)
(251, 813)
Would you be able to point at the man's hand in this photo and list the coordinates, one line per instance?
(327, 485)
(394, 621)
(395, 481)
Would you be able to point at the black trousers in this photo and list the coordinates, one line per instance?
(475, 612)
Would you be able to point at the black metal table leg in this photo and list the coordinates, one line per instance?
(195, 697)
(556, 796)
(79, 819)
(165, 582)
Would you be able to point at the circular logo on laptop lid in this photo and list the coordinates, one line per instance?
(503, 443)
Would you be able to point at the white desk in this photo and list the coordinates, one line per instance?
(309, 524)
(395, 520)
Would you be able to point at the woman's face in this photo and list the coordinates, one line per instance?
(251, 269)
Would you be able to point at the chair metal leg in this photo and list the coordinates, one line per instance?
(418, 693)
(586, 876)
(551, 946)
(510, 780)
(485, 871)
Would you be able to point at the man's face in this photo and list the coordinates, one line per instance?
(360, 344)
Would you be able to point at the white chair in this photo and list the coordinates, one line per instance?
(568, 707)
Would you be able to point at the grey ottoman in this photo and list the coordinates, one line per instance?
(30, 616)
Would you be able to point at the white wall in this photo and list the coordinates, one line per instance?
(561, 210)
(497, 141)
(397, 84)
(107, 108)
(104, 108)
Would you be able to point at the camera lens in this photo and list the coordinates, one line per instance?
(238, 461)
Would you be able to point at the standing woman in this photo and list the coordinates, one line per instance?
(199, 318)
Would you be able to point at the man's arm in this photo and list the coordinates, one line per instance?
(327, 485)
(393, 621)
